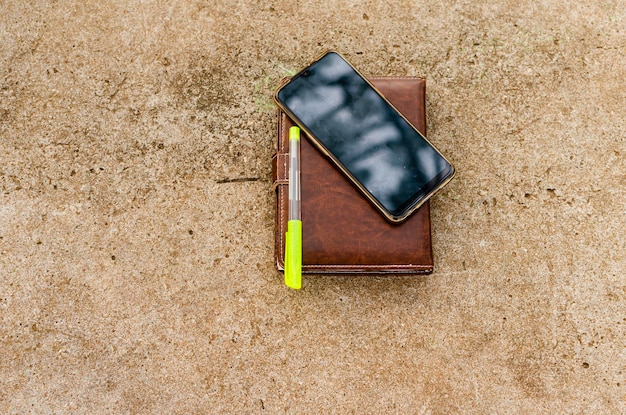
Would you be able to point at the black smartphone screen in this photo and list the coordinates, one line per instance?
(370, 140)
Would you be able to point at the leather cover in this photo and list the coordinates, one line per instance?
(342, 232)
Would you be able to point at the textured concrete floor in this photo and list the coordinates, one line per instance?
(136, 270)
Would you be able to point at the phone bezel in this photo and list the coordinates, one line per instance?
(414, 204)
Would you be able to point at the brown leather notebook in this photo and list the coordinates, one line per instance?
(341, 231)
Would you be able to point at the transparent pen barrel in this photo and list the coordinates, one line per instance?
(294, 180)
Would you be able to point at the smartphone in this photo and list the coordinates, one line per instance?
(365, 136)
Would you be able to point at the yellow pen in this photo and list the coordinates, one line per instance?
(293, 236)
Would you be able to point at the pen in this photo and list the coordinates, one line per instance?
(293, 236)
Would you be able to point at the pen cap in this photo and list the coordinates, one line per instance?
(293, 254)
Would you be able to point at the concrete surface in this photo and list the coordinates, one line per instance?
(136, 269)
